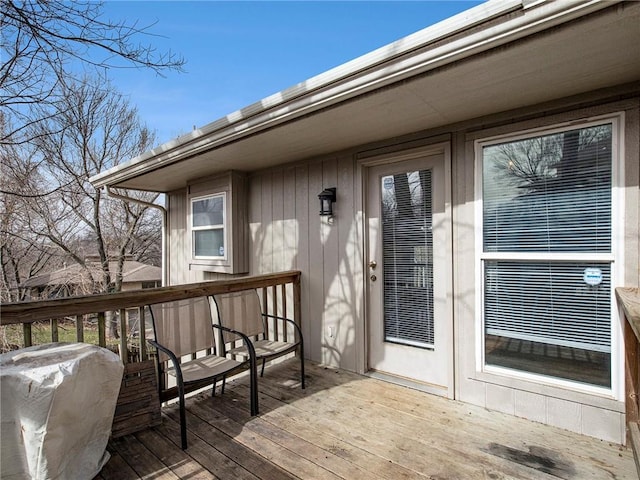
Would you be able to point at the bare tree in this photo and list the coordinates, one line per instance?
(536, 163)
(89, 129)
(22, 255)
(41, 38)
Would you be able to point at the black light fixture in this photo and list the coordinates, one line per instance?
(327, 198)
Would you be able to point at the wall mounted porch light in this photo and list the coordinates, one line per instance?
(327, 198)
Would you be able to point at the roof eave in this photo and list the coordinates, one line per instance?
(384, 66)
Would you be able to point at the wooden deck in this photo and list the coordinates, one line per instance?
(345, 426)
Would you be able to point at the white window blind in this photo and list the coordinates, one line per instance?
(407, 258)
(549, 194)
(549, 303)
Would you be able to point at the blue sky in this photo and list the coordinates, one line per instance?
(240, 52)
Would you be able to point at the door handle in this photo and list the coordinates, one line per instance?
(373, 264)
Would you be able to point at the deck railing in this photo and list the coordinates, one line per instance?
(629, 302)
(280, 294)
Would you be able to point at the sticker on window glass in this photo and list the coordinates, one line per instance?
(387, 182)
(592, 276)
(221, 251)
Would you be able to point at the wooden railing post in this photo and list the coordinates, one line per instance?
(54, 329)
(283, 291)
(142, 330)
(102, 329)
(80, 328)
(265, 307)
(27, 334)
(297, 301)
(123, 336)
(274, 306)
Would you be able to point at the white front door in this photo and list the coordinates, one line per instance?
(409, 271)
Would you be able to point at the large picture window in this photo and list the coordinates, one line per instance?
(547, 255)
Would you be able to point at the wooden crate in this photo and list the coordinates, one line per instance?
(138, 406)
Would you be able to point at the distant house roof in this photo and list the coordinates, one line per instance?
(132, 271)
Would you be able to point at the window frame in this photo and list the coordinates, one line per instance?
(614, 258)
(235, 188)
(223, 227)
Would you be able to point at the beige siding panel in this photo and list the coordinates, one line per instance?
(329, 231)
(277, 215)
(316, 267)
(289, 229)
(603, 424)
(531, 406)
(289, 223)
(351, 257)
(279, 204)
(287, 232)
(464, 271)
(178, 245)
(564, 414)
(632, 197)
(240, 226)
(463, 257)
(302, 261)
(255, 224)
(501, 399)
(266, 203)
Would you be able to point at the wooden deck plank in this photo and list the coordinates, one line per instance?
(304, 426)
(348, 426)
(235, 451)
(291, 440)
(117, 468)
(478, 424)
(201, 450)
(402, 441)
(144, 462)
(571, 454)
(290, 461)
(181, 463)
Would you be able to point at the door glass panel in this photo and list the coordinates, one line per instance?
(407, 246)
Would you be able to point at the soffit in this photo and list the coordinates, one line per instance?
(592, 53)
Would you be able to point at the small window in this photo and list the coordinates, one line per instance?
(208, 226)
(218, 224)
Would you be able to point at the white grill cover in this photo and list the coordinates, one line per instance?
(57, 404)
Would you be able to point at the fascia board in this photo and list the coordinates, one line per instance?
(382, 67)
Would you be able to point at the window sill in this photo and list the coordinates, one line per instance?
(215, 267)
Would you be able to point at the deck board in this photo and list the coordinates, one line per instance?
(346, 426)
